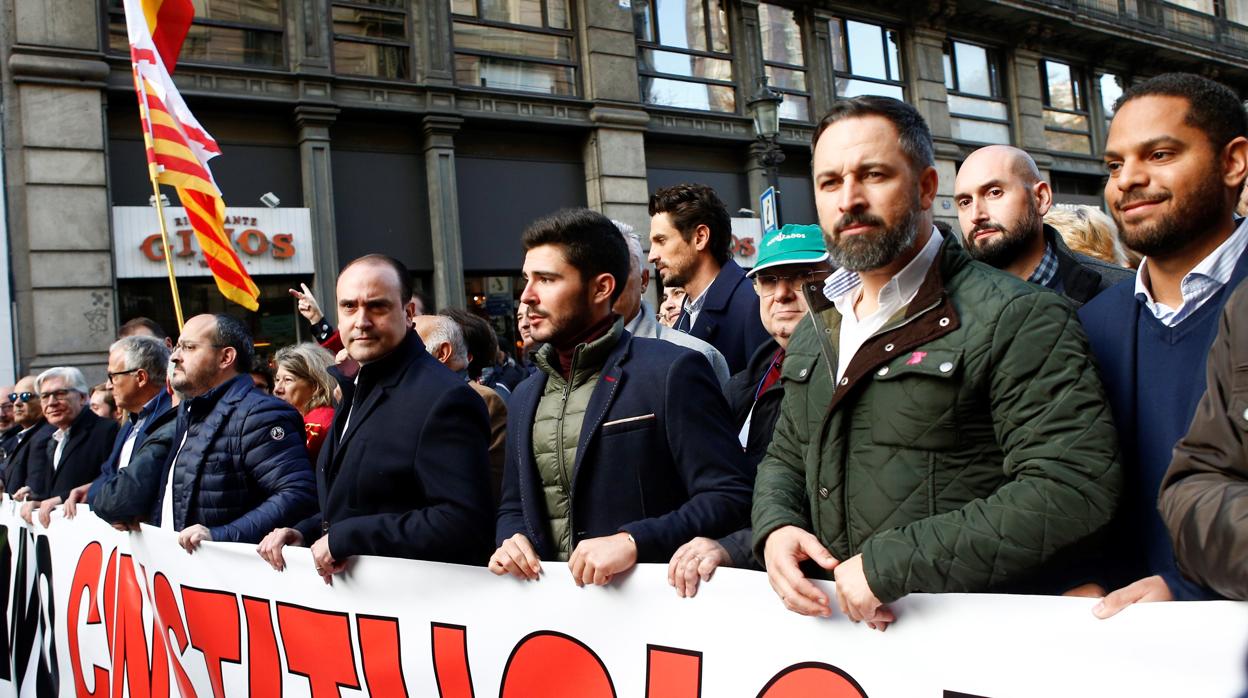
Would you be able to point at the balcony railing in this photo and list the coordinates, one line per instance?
(1165, 18)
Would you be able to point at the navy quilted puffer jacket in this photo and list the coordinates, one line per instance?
(243, 469)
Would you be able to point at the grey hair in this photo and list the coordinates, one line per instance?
(444, 330)
(74, 380)
(633, 240)
(146, 353)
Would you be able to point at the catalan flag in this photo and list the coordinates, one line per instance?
(178, 148)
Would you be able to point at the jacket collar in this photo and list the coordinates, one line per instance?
(229, 392)
(719, 294)
(587, 358)
(1078, 282)
(372, 382)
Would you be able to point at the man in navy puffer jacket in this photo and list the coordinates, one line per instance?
(240, 468)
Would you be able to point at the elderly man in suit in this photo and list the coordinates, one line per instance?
(621, 448)
(405, 472)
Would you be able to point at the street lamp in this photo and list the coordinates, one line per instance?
(764, 108)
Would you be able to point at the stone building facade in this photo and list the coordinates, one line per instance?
(434, 130)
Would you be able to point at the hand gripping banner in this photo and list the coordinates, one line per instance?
(96, 612)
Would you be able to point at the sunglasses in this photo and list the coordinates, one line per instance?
(22, 397)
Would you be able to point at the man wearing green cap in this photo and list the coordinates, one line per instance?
(788, 259)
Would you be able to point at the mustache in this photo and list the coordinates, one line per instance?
(989, 225)
(850, 219)
(1136, 197)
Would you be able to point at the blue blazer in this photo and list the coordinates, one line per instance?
(729, 319)
(657, 456)
(159, 405)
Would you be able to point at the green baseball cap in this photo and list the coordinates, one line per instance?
(792, 244)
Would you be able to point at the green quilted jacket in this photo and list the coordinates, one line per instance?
(969, 441)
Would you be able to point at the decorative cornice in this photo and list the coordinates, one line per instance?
(57, 69)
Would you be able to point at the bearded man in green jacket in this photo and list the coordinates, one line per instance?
(943, 427)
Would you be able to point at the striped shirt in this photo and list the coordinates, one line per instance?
(1199, 284)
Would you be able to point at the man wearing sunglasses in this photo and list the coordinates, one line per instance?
(81, 442)
(28, 414)
(8, 426)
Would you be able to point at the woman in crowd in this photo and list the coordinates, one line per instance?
(303, 380)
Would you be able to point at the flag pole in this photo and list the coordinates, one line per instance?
(153, 172)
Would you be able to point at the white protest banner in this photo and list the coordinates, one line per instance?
(122, 605)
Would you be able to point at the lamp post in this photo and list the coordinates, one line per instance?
(764, 108)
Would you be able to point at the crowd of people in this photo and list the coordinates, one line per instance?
(881, 400)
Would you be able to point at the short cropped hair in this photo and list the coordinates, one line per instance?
(590, 242)
(143, 352)
(310, 362)
(406, 289)
(479, 339)
(232, 333)
(912, 131)
(691, 205)
(73, 378)
(1212, 107)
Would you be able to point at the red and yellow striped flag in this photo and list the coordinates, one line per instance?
(178, 148)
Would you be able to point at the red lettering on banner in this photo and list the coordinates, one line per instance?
(318, 646)
(812, 679)
(450, 661)
(171, 619)
(127, 643)
(212, 619)
(264, 671)
(86, 576)
(152, 249)
(554, 665)
(283, 246)
(253, 242)
(673, 673)
(379, 650)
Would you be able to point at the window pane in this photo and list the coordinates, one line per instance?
(688, 95)
(221, 45)
(866, 50)
(719, 26)
(353, 58)
(557, 14)
(1205, 6)
(682, 24)
(641, 20)
(839, 62)
(686, 65)
(980, 131)
(1061, 119)
(502, 74)
(950, 84)
(1068, 142)
(973, 75)
(1110, 92)
(1237, 11)
(846, 88)
(787, 79)
(969, 106)
(894, 56)
(513, 11)
(476, 37)
(248, 11)
(373, 24)
(782, 37)
(1061, 85)
(464, 7)
(795, 107)
(118, 40)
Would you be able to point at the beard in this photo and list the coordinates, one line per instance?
(1192, 215)
(867, 251)
(561, 330)
(1003, 250)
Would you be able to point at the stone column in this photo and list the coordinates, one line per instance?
(608, 52)
(820, 78)
(309, 36)
(435, 64)
(448, 258)
(924, 49)
(313, 123)
(615, 166)
(1027, 105)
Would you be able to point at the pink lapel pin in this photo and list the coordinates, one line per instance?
(916, 358)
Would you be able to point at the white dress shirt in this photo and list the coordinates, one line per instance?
(844, 288)
(60, 436)
(1199, 284)
(166, 507)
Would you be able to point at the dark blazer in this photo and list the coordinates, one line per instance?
(410, 477)
(657, 456)
(17, 466)
(729, 318)
(151, 412)
(1082, 277)
(90, 441)
(137, 491)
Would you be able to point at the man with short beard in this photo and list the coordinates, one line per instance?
(1001, 202)
(943, 428)
(620, 448)
(1177, 157)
